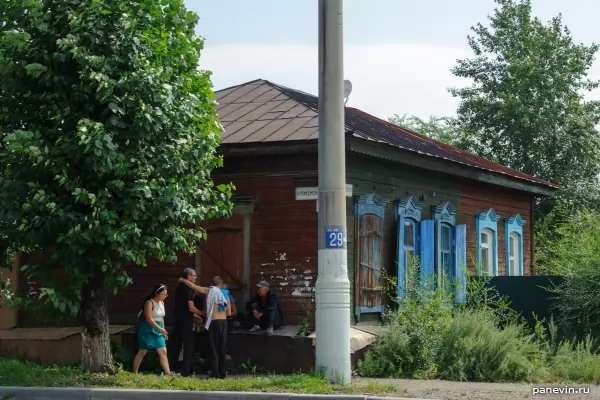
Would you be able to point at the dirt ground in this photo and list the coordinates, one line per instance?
(445, 390)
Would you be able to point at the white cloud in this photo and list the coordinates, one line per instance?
(386, 79)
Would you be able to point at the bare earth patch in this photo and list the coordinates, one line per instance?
(447, 390)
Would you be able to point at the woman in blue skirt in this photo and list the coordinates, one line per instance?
(151, 333)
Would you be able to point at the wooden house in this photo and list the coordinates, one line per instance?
(406, 194)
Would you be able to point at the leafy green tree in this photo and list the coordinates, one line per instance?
(526, 107)
(437, 128)
(569, 246)
(108, 133)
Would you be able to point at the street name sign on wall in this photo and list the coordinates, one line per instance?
(312, 193)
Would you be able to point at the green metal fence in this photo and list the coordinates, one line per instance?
(528, 294)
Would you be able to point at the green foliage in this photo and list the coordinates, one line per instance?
(577, 361)
(17, 373)
(569, 245)
(108, 136)
(525, 108)
(483, 339)
(476, 349)
(123, 357)
(548, 236)
(7, 293)
(417, 330)
(308, 322)
(482, 296)
(409, 343)
(437, 128)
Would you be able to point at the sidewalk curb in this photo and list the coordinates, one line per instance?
(59, 393)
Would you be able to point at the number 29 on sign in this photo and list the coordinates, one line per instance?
(334, 238)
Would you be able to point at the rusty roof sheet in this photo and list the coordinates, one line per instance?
(262, 111)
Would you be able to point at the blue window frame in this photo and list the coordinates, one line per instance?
(486, 225)
(369, 216)
(408, 216)
(444, 216)
(513, 232)
(450, 250)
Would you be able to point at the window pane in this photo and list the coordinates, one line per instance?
(512, 267)
(446, 263)
(445, 242)
(484, 260)
(409, 234)
(484, 238)
(408, 260)
(511, 246)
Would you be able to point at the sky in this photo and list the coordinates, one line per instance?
(397, 53)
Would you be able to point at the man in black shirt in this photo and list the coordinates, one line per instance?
(183, 333)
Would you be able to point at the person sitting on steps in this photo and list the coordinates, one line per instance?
(264, 309)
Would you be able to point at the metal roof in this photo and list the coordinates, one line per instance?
(261, 111)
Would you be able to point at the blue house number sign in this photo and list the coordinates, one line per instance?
(334, 237)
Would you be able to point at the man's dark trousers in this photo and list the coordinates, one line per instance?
(265, 320)
(217, 338)
(182, 334)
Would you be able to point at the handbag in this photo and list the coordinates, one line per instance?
(141, 317)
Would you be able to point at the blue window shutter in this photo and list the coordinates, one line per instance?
(460, 264)
(401, 266)
(427, 254)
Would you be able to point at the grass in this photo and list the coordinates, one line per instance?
(21, 373)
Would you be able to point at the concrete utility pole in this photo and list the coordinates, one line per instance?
(333, 286)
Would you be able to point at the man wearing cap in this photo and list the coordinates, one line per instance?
(264, 309)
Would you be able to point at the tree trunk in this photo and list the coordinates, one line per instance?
(95, 335)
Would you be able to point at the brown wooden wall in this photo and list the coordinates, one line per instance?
(283, 234)
(283, 240)
(283, 249)
(123, 308)
(479, 197)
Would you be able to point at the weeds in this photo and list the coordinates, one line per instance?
(18, 373)
(476, 349)
(308, 322)
(431, 335)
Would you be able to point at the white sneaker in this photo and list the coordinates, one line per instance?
(255, 328)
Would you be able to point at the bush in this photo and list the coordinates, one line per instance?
(429, 335)
(409, 344)
(6, 291)
(482, 296)
(476, 349)
(416, 329)
(572, 249)
(577, 361)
